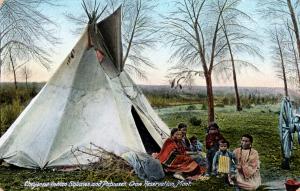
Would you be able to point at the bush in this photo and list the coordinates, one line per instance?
(226, 101)
(195, 121)
(191, 107)
(8, 95)
(248, 106)
(277, 112)
(9, 114)
(204, 107)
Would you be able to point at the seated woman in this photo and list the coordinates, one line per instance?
(248, 175)
(173, 158)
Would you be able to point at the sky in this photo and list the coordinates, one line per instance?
(158, 55)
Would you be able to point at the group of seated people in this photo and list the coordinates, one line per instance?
(186, 159)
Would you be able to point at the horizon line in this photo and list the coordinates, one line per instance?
(218, 86)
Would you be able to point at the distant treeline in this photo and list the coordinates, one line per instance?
(162, 99)
(161, 96)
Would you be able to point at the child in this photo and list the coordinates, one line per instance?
(196, 146)
(197, 153)
(224, 162)
(211, 140)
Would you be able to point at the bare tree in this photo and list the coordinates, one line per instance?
(14, 64)
(279, 50)
(238, 39)
(138, 30)
(13, 67)
(193, 29)
(281, 10)
(26, 73)
(25, 32)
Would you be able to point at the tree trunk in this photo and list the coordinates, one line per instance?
(282, 67)
(237, 96)
(284, 79)
(296, 31)
(210, 98)
(0, 61)
(26, 78)
(0, 92)
(138, 9)
(14, 70)
(0, 70)
(207, 74)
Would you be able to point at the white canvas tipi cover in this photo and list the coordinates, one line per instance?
(84, 102)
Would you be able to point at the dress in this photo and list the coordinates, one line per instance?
(174, 159)
(248, 175)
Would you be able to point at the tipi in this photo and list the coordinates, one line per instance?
(89, 99)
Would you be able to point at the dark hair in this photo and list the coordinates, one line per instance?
(249, 137)
(173, 131)
(213, 124)
(181, 126)
(192, 138)
(224, 141)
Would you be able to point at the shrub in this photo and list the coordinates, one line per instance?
(191, 107)
(204, 107)
(9, 114)
(225, 101)
(277, 112)
(248, 106)
(195, 121)
(8, 94)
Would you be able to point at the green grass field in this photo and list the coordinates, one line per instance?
(260, 121)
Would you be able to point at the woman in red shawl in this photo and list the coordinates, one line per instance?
(173, 157)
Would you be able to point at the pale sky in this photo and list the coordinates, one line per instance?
(159, 56)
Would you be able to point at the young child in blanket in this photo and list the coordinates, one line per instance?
(224, 163)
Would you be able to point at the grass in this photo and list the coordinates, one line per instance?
(262, 125)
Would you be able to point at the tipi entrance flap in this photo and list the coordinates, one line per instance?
(147, 137)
